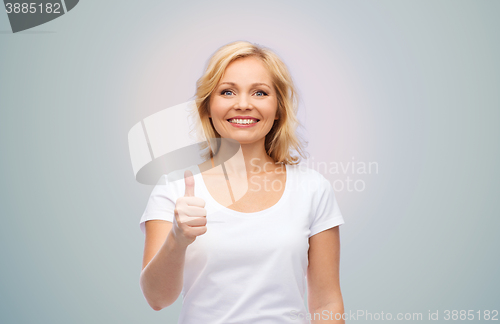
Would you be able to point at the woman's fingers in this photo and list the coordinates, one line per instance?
(196, 221)
(194, 211)
(192, 201)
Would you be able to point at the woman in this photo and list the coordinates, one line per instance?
(245, 260)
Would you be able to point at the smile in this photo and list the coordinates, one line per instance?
(237, 122)
(243, 121)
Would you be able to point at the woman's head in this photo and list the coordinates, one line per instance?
(274, 102)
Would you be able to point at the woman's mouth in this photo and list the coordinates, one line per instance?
(242, 122)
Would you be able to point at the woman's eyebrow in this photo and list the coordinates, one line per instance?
(253, 84)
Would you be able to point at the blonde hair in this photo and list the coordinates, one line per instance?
(282, 137)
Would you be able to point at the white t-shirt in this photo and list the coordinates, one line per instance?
(250, 268)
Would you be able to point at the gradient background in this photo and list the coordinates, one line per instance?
(412, 85)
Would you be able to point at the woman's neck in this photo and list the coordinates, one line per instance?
(249, 159)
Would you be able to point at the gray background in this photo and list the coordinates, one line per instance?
(412, 85)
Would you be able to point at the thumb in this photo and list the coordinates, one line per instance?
(189, 180)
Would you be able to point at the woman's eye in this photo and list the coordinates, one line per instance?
(229, 92)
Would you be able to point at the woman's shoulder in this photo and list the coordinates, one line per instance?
(305, 172)
(307, 180)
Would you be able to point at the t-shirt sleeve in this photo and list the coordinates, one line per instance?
(161, 204)
(327, 214)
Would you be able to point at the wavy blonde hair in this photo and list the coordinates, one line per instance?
(282, 138)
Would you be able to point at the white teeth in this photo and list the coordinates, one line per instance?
(243, 121)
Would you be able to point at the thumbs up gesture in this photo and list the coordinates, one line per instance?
(190, 215)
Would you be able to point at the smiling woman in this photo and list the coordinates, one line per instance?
(242, 110)
(249, 265)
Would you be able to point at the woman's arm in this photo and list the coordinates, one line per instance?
(165, 247)
(324, 295)
(163, 265)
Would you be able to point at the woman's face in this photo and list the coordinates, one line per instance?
(244, 105)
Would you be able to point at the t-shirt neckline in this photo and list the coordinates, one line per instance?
(238, 213)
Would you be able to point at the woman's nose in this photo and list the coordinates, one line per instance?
(243, 102)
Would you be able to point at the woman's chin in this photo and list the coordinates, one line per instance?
(244, 140)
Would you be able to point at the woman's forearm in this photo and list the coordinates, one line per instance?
(162, 279)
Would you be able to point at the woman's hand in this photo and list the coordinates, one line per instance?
(190, 215)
